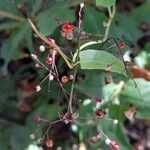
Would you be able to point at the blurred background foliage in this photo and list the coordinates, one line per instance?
(18, 78)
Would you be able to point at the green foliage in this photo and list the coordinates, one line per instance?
(92, 19)
(90, 86)
(105, 3)
(131, 95)
(116, 132)
(47, 22)
(97, 59)
(142, 11)
(124, 29)
(10, 48)
(44, 14)
(9, 7)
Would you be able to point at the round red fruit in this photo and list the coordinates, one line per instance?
(100, 113)
(67, 27)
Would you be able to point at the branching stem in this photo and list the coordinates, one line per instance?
(108, 24)
(52, 45)
(77, 59)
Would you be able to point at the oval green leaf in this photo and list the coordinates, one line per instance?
(96, 59)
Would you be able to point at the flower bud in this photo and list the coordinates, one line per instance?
(34, 57)
(81, 5)
(51, 77)
(37, 118)
(115, 121)
(38, 88)
(107, 141)
(42, 48)
(49, 60)
(32, 136)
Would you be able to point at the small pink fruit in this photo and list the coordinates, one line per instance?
(114, 145)
(49, 60)
(64, 79)
(37, 118)
(51, 41)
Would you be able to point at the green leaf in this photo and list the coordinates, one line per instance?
(5, 136)
(131, 94)
(115, 132)
(20, 137)
(86, 111)
(47, 111)
(10, 6)
(9, 25)
(90, 86)
(28, 39)
(124, 29)
(117, 111)
(96, 59)
(92, 21)
(140, 14)
(10, 47)
(46, 20)
(143, 113)
(105, 3)
(36, 6)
